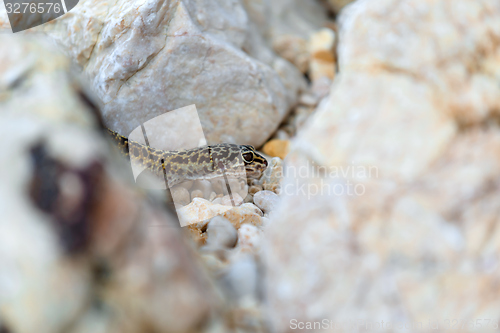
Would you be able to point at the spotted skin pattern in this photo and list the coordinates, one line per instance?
(198, 163)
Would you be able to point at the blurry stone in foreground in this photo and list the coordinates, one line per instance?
(80, 251)
(395, 215)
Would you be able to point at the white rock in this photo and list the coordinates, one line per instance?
(265, 221)
(242, 276)
(196, 194)
(180, 195)
(232, 200)
(405, 123)
(273, 175)
(221, 233)
(200, 210)
(266, 200)
(249, 236)
(205, 186)
(252, 207)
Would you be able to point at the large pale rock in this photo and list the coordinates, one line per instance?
(147, 58)
(391, 192)
(73, 233)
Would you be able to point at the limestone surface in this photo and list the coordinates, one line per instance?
(391, 190)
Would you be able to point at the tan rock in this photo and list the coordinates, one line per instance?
(277, 148)
(322, 53)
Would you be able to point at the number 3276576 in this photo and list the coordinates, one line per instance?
(26, 7)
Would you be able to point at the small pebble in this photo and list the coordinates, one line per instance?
(236, 200)
(266, 200)
(277, 148)
(248, 198)
(243, 192)
(221, 233)
(243, 276)
(321, 48)
(321, 87)
(196, 194)
(289, 129)
(180, 195)
(305, 110)
(254, 189)
(277, 189)
(265, 221)
(217, 185)
(249, 236)
(281, 135)
(273, 175)
(254, 208)
(300, 120)
(234, 184)
(205, 187)
(212, 262)
(212, 196)
(308, 99)
(187, 184)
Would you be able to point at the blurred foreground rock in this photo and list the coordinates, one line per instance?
(395, 215)
(80, 251)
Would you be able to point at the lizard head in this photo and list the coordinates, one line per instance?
(255, 163)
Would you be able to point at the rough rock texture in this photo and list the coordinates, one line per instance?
(80, 251)
(406, 151)
(146, 58)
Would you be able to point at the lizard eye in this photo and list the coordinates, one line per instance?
(248, 157)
